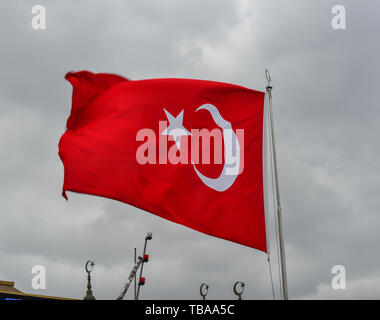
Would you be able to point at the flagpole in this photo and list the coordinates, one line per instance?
(134, 279)
(279, 216)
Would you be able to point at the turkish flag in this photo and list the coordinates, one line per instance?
(189, 151)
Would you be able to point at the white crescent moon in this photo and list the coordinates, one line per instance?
(231, 163)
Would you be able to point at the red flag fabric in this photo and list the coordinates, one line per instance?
(189, 151)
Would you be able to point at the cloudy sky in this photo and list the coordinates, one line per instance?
(326, 118)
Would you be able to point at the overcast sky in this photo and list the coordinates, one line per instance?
(326, 118)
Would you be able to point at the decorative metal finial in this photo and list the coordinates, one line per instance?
(202, 292)
(242, 285)
(89, 266)
(269, 79)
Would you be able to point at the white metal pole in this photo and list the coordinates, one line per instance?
(279, 216)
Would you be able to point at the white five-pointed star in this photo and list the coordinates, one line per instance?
(176, 128)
